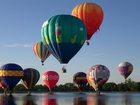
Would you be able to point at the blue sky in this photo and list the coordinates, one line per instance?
(117, 40)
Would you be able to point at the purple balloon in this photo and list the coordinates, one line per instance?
(125, 69)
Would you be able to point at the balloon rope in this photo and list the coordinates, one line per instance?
(42, 63)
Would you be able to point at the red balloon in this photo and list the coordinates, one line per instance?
(50, 78)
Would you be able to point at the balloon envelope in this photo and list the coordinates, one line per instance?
(50, 78)
(97, 76)
(30, 78)
(80, 79)
(91, 14)
(125, 69)
(41, 51)
(11, 74)
(64, 35)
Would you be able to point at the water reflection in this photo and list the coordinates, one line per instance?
(29, 100)
(79, 101)
(71, 99)
(49, 99)
(7, 100)
(95, 99)
(127, 99)
(90, 99)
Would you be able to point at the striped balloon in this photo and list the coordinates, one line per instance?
(41, 51)
(10, 74)
(30, 77)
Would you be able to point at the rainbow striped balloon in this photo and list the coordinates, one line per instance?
(41, 51)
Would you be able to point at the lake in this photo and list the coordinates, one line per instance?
(72, 98)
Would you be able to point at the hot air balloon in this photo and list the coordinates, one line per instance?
(80, 80)
(125, 69)
(97, 76)
(41, 51)
(50, 78)
(30, 78)
(92, 16)
(64, 35)
(11, 74)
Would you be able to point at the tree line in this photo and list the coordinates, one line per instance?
(128, 85)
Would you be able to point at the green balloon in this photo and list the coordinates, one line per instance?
(64, 35)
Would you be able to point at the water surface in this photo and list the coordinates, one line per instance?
(72, 98)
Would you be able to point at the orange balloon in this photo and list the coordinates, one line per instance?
(91, 14)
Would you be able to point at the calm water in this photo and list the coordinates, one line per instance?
(72, 99)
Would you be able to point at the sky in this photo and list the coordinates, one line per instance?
(116, 41)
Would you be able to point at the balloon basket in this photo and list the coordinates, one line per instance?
(64, 70)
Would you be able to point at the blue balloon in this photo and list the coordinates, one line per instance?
(11, 74)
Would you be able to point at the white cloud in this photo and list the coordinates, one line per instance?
(17, 45)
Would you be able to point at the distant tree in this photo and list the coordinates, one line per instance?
(128, 85)
(40, 88)
(131, 85)
(20, 88)
(138, 86)
(122, 87)
(1, 90)
(110, 86)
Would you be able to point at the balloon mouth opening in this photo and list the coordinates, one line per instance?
(63, 61)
